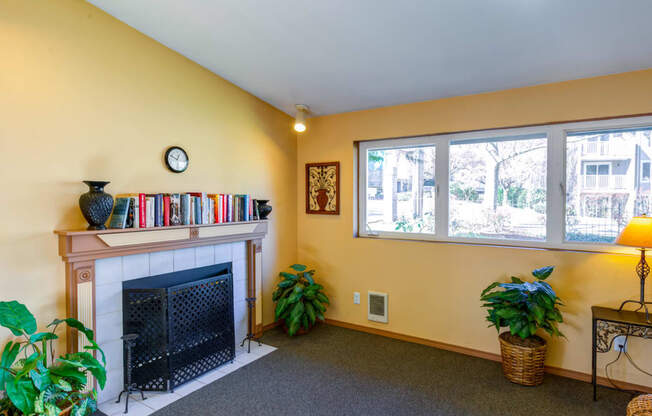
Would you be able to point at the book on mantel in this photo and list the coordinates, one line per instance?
(120, 213)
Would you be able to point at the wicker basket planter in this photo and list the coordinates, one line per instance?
(523, 360)
(640, 406)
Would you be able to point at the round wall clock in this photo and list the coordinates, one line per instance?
(176, 159)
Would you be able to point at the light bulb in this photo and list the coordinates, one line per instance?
(300, 119)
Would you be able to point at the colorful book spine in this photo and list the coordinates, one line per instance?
(150, 211)
(192, 210)
(206, 209)
(185, 209)
(130, 213)
(175, 209)
(166, 210)
(158, 210)
(222, 208)
(120, 213)
(136, 219)
(198, 210)
(256, 213)
(229, 208)
(142, 217)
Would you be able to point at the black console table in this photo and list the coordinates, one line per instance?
(609, 323)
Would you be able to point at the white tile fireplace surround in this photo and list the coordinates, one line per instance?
(111, 272)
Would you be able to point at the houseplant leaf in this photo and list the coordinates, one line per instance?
(289, 275)
(95, 347)
(298, 267)
(489, 288)
(41, 379)
(8, 357)
(40, 336)
(543, 273)
(280, 306)
(286, 283)
(22, 394)
(29, 364)
(323, 298)
(310, 311)
(309, 278)
(74, 323)
(87, 361)
(69, 371)
(17, 318)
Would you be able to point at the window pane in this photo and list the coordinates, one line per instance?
(597, 208)
(591, 169)
(401, 190)
(498, 188)
(645, 171)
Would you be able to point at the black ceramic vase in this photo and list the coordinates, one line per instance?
(96, 205)
(263, 208)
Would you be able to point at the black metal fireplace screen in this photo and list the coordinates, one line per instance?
(184, 322)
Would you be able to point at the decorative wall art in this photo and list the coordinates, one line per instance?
(323, 188)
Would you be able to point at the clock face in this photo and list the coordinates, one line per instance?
(177, 159)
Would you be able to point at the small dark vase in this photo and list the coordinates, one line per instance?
(96, 205)
(263, 208)
(322, 199)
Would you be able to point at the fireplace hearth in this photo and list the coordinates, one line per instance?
(184, 322)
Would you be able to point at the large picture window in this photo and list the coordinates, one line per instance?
(400, 194)
(606, 185)
(561, 185)
(497, 188)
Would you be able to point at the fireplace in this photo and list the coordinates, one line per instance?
(99, 262)
(184, 322)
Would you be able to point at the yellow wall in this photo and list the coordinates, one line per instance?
(84, 96)
(434, 287)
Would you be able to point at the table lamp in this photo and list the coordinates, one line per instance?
(638, 233)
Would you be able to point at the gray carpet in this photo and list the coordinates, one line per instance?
(335, 371)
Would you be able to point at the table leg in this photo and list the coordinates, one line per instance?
(594, 377)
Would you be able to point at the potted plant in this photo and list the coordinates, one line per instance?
(34, 380)
(300, 301)
(524, 308)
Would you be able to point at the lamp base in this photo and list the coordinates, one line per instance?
(641, 305)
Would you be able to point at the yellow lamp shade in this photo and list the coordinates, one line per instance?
(638, 233)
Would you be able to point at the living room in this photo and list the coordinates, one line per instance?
(367, 193)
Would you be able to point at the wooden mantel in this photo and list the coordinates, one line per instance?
(80, 249)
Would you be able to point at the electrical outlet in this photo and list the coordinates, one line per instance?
(356, 298)
(620, 343)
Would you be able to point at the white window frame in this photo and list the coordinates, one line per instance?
(555, 184)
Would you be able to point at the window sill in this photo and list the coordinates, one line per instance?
(514, 244)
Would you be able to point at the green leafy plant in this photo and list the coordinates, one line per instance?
(524, 307)
(34, 380)
(300, 301)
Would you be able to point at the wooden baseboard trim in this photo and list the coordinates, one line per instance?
(416, 340)
(575, 375)
(270, 326)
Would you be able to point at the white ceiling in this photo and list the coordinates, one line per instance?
(344, 55)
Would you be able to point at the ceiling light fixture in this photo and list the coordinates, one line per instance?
(300, 119)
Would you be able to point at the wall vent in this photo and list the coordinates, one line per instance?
(377, 304)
